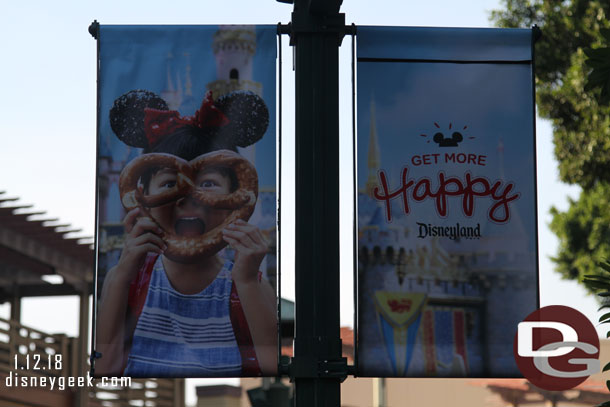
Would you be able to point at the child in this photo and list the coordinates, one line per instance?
(163, 314)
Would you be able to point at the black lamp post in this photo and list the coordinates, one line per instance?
(317, 369)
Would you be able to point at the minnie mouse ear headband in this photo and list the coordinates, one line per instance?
(140, 118)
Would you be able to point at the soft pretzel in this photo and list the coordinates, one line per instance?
(241, 201)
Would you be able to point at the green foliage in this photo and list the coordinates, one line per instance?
(582, 127)
(598, 60)
(584, 232)
(601, 281)
(572, 84)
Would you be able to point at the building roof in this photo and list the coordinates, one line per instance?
(33, 246)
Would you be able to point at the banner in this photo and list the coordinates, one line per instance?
(186, 202)
(447, 229)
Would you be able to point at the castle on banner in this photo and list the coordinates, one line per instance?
(438, 306)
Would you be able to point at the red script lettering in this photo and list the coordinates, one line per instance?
(468, 189)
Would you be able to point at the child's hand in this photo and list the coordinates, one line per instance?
(142, 236)
(250, 248)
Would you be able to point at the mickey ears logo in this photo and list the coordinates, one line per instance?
(442, 141)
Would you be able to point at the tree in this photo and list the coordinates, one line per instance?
(598, 59)
(571, 92)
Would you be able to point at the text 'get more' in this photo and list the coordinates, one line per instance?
(448, 158)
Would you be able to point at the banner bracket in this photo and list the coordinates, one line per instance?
(318, 24)
(94, 29)
(94, 355)
(287, 28)
(333, 369)
(537, 33)
(284, 28)
(328, 369)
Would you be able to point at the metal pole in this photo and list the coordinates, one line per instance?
(317, 367)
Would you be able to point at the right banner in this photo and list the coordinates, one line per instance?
(447, 224)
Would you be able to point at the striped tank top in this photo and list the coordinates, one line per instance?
(180, 335)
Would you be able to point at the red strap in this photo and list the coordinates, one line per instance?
(139, 286)
(249, 362)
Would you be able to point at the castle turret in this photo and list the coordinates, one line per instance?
(188, 83)
(172, 94)
(234, 48)
(374, 156)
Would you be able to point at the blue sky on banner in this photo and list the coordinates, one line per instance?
(48, 82)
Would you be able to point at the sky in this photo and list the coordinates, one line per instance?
(48, 119)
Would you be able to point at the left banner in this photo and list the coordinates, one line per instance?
(186, 202)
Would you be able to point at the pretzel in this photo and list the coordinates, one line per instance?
(241, 201)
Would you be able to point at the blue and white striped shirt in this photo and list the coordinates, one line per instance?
(180, 335)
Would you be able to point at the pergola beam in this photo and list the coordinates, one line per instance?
(74, 271)
(42, 290)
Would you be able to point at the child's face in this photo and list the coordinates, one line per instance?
(186, 217)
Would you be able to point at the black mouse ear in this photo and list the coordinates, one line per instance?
(248, 118)
(127, 115)
(456, 136)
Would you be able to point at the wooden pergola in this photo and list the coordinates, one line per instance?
(40, 257)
